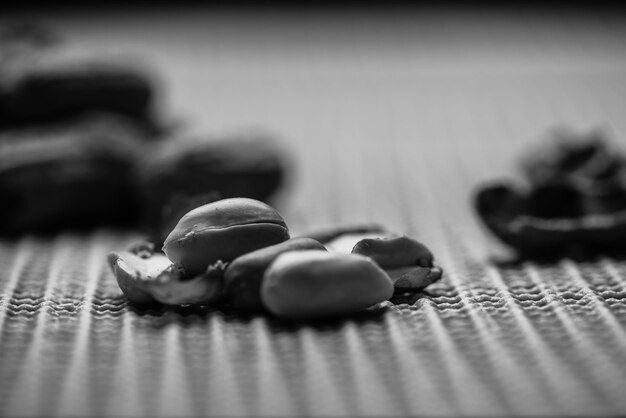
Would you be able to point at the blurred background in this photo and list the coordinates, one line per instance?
(351, 89)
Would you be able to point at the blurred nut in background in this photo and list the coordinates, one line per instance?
(43, 82)
(68, 175)
(19, 38)
(81, 145)
(571, 198)
(181, 168)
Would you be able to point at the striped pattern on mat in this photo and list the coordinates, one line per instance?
(522, 340)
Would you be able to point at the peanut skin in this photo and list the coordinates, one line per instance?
(408, 262)
(151, 279)
(311, 284)
(395, 252)
(133, 273)
(222, 231)
(244, 275)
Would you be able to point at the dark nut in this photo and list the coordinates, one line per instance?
(244, 275)
(577, 160)
(504, 210)
(574, 202)
(19, 38)
(242, 166)
(155, 279)
(316, 284)
(68, 175)
(222, 231)
(395, 252)
(555, 200)
(575, 174)
(59, 82)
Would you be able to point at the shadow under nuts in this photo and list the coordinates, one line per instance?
(222, 231)
(316, 284)
(244, 275)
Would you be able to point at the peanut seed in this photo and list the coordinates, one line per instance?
(408, 262)
(314, 284)
(155, 279)
(222, 231)
(395, 252)
(244, 275)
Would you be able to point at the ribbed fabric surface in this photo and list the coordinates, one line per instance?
(487, 340)
(388, 120)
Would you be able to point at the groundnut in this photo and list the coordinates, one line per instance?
(134, 272)
(68, 175)
(344, 243)
(413, 278)
(504, 209)
(316, 284)
(59, 83)
(189, 168)
(408, 262)
(222, 231)
(146, 279)
(395, 252)
(171, 287)
(244, 275)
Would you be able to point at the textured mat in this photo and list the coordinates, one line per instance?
(518, 340)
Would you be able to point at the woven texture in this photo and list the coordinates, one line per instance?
(516, 340)
(397, 132)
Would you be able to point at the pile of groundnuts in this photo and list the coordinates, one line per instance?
(239, 252)
(568, 201)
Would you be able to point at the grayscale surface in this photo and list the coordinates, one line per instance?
(390, 118)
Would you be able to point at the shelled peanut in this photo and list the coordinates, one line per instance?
(239, 252)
